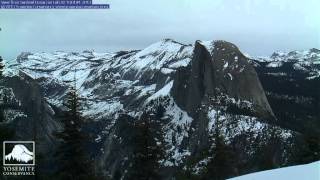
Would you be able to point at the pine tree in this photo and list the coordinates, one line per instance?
(147, 153)
(267, 154)
(221, 165)
(6, 134)
(1, 66)
(74, 163)
(2, 109)
(306, 149)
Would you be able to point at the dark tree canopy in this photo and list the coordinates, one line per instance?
(147, 153)
(74, 163)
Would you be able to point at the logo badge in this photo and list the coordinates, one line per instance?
(18, 153)
(18, 158)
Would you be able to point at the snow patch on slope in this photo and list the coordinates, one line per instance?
(175, 131)
(209, 45)
(162, 92)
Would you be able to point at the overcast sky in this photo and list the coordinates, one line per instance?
(256, 27)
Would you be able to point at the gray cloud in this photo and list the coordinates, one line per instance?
(256, 27)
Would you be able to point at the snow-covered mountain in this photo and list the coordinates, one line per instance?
(20, 153)
(186, 90)
(291, 81)
(305, 62)
(103, 78)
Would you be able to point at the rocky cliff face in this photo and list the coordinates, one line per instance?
(185, 91)
(27, 112)
(219, 69)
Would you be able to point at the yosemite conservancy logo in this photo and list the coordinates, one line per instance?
(18, 158)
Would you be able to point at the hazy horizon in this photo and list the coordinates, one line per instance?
(257, 28)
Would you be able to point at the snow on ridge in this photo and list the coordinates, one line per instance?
(101, 109)
(176, 130)
(167, 45)
(299, 55)
(275, 64)
(225, 65)
(164, 91)
(12, 68)
(209, 45)
(157, 55)
(88, 67)
(166, 71)
(145, 90)
(306, 61)
(154, 57)
(232, 125)
(182, 63)
(60, 65)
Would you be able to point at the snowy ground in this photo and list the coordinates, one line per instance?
(301, 172)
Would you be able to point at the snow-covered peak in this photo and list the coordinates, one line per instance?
(158, 55)
(59, 65)
(167, 45)
(100, 76)
(311, 55)
(209, 45)
(306, 61)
